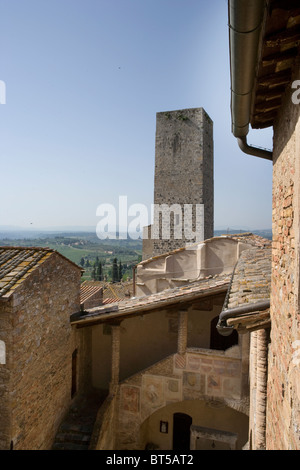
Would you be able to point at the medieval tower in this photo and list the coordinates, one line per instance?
(183, 184)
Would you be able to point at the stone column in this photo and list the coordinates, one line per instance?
(115, 357)
(244, 342)
(252, 391)
(182, 331)
(261, 393)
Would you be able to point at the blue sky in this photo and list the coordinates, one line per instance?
(84, 81)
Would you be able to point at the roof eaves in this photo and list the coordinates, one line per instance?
(146, 304)
(248, 298)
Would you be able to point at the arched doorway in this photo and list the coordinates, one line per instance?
(181, 431)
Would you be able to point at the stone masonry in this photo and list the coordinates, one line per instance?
(183, 176)
(35, 381)
(283, 406)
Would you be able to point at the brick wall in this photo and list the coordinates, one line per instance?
(283, 406)
(39, 352)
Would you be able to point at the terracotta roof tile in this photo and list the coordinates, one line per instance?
(138, 305)
(16, 263)
(251, 281)
(116, 291)
(246, 307)
(88, 289)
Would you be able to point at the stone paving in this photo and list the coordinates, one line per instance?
(76, 430)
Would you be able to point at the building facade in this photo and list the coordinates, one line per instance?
(265, 72)
(39, 290)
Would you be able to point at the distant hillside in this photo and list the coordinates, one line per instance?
(267, 233)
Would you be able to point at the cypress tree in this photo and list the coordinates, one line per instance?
(115, 270)
(120, 273)
(99, 275)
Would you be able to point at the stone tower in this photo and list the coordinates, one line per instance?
(183, 185)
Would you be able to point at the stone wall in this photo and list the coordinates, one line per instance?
(283, 415)
(5, 413)
(183, 175)
(148, 338)
(103, 437)
(148, 246)
(196, 375)
(39, 353)
(215, 256)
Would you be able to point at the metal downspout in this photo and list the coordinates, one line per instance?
(255, 151)
(246, 19)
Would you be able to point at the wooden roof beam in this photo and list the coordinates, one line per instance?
(284, 38)
(274, 80)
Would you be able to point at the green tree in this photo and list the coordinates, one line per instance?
(99, 273)
(115, 273)
(82, 262)
(87, 264)
(93, 273)
(120, 272)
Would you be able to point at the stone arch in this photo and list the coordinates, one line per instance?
(195, 375)
(212, 416)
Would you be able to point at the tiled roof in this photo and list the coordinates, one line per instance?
(252, 277)
(88, 289)
(17, 263)
(110, 300)
(138, 305)
(114, 292)
(251, 239)
(251, 280)
(246, 307)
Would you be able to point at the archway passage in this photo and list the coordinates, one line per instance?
(181, 431)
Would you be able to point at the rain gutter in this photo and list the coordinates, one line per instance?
(246, 20)
(225, 330)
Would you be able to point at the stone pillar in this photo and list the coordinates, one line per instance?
(115, 357)
(261, 393)
(244, 342)
(182, 331)
(252, 380)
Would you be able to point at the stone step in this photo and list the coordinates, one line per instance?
(73, 437)
(75, 431)
(69, 446)
(77, 438)
(76, 428)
